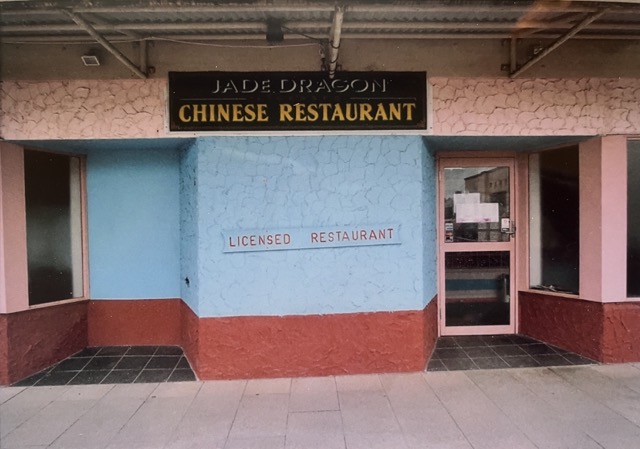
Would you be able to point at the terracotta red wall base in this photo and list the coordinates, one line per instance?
(607, 332)
(315, 345)
(430, 328)
(221, 348)
(189, 327)
(621, 337)
(303, 345)
(38, 338)
(5, 378)
(267, 346)
(135, 322)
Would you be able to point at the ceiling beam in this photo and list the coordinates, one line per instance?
(216, 39)
(576, 29)
(264, 7)
(105, 43)
(319, 25)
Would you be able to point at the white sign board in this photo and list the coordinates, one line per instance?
(477, 213)
(464, 198)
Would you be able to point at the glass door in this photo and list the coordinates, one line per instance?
(477, 241)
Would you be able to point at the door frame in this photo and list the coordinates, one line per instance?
(479, 160)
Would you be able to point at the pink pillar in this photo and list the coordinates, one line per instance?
(603, 219)
(14, 293)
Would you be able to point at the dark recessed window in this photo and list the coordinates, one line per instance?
(54, 226)
(554, 220)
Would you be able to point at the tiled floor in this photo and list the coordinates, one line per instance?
(117, 365)
(144, 364)
(498, 351)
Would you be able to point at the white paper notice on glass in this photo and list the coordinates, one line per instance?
(464, 198)
(477, 213)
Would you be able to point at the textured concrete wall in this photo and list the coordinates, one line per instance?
(572, 324)
(35, 339)
(189, 231)
(461, 106)
(500, 106)
(313, 345)
(295, 182)
(607, 332)
(82, 109)
(135, 322)
(429, 220)
(266, 346)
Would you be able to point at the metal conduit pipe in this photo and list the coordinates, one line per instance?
(334, 42)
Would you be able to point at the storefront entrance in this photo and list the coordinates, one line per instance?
(477, 246)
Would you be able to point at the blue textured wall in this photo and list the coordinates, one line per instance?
(134, 224)
(429, 217)
(156, 215)
(189, 231)
(291, 182)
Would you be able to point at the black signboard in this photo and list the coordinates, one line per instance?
(297, 101)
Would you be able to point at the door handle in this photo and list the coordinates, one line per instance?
(507, 226)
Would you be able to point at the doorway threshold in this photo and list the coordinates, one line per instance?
(498, 352)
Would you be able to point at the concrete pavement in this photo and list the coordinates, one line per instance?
(583, 407)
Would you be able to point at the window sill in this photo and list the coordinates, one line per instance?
(535, 291)
(57, 303)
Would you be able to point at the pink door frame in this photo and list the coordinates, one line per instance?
(477, 160)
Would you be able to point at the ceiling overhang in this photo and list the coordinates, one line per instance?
(323, 22)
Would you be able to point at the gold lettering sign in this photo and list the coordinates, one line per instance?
(349, 112)
(222, 101)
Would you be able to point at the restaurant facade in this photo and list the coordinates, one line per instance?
(275, 220)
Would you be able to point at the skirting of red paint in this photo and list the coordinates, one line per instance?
(222, 348)
(311, 345)
(621, 337)
(607, 332)
(189, 327)
(5, 376)
(268, 346)
(35, 339)
(135, 322)
(430, 328)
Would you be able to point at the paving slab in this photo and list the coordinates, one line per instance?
(571, 407)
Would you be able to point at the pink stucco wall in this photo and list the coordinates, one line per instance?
(82, 109)
(460, 106)
(13, 234)
(501, 106)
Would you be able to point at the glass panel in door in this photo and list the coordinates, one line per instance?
(475, 200)
(477, 288)
(476, 248)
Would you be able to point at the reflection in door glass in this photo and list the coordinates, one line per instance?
(477, 288)
(475, 199)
